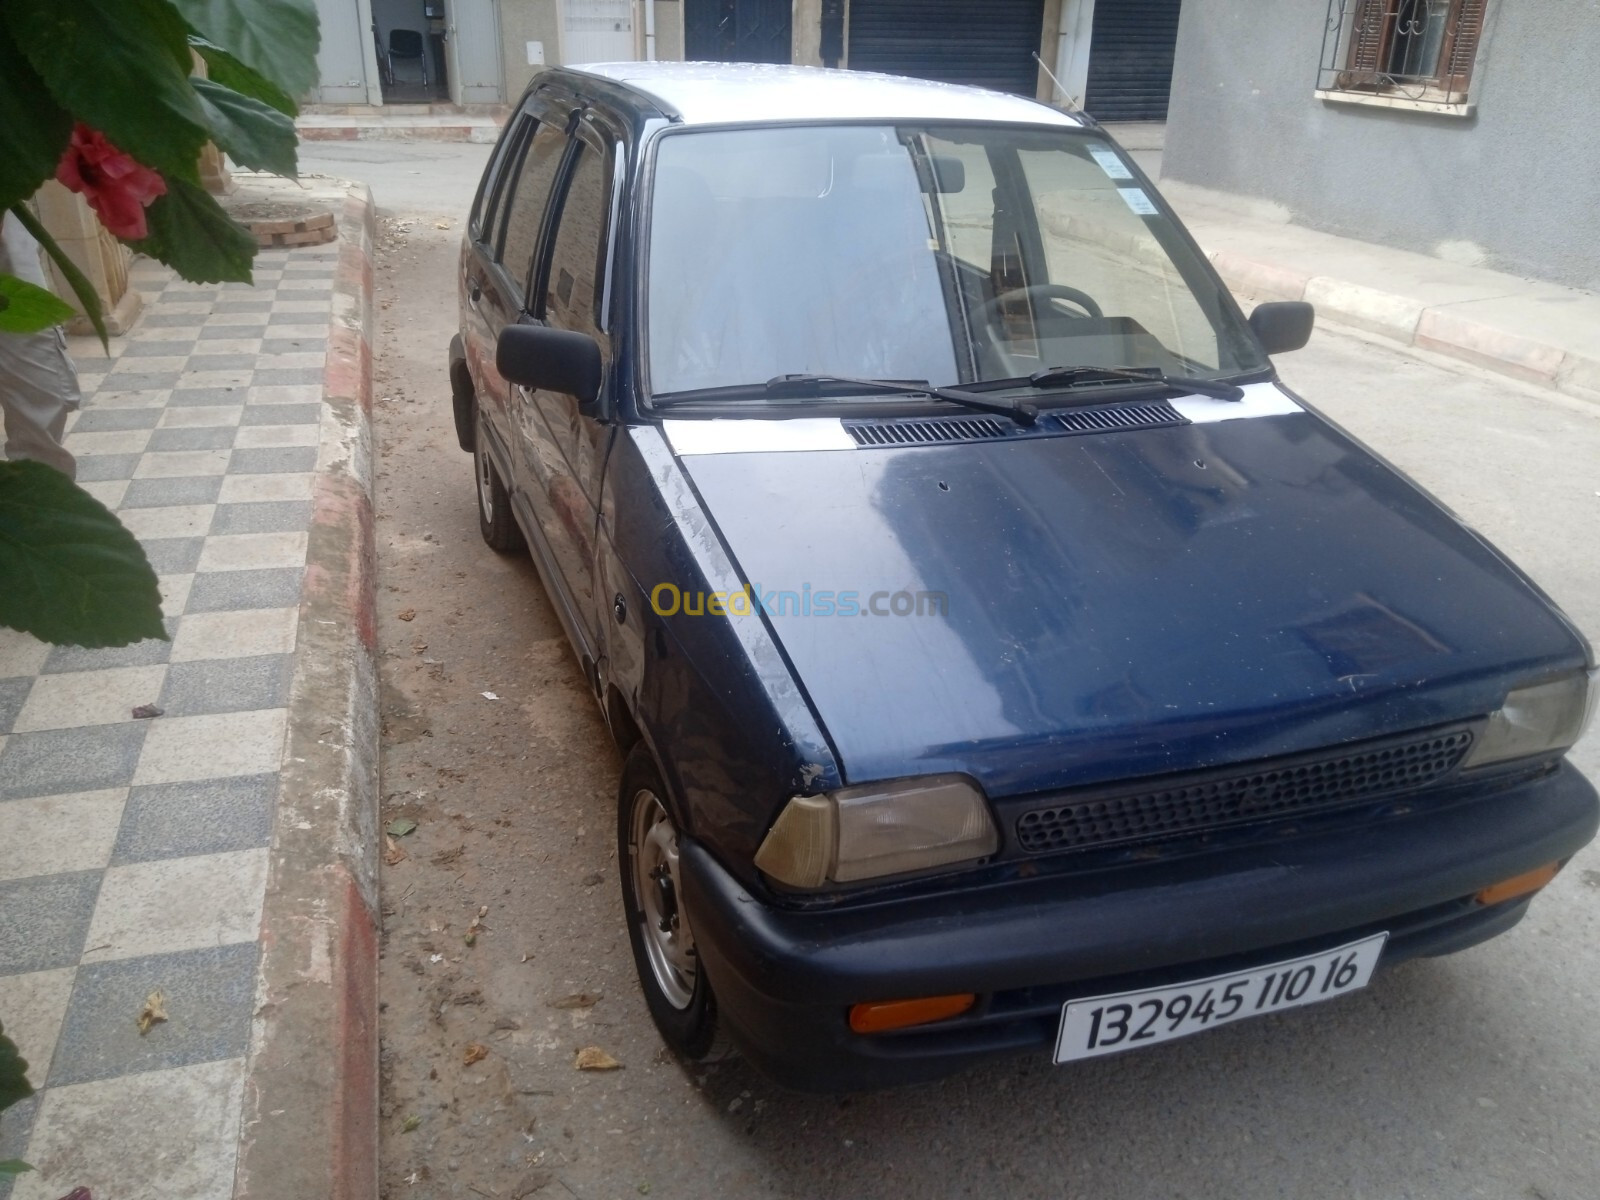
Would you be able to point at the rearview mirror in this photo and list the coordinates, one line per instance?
(1283, 325)
(551, 360)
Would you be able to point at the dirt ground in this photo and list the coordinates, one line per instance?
(1469, 1076)
(513, 800)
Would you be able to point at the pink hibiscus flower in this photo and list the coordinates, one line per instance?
(117, 187)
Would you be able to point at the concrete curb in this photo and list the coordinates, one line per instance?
(1410, 322)
(310, 1123)
(397, 129)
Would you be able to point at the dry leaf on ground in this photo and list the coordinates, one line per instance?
(577, 1000)
(476, 1052)
(592, 1058)
(145, 711)
(393, 852)
(154, 1010)
(407, 614)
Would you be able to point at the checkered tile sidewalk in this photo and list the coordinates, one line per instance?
(133, 852)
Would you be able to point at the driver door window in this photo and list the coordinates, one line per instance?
(573, 286)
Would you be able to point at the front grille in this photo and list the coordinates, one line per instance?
(920, 432)
(1258, 792)
(1124, 416)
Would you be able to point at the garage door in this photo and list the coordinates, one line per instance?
(955, 41)
(1130, 59)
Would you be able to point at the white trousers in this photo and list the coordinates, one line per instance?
(38, 388)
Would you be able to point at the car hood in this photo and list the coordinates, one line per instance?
(1092, 607)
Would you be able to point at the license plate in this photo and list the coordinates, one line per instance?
(1109, 1024)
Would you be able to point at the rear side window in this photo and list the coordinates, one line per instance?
(574, 288)
(485, 205)
(527, 201)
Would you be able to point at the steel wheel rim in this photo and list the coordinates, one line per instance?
(480, 453)
(668, 941)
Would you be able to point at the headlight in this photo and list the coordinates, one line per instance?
(1541, 719)
(876, 830)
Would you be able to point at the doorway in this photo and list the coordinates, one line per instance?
(409, 37)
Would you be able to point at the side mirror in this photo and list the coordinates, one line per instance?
(1283, 325)
(551, 360)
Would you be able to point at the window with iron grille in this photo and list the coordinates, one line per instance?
(1418, 50)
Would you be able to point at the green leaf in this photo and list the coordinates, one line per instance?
(25, 308)
(254, 135)
(122, 67)
(88, 298)
(278, 38)
(400, 826)
(230, 72)
(13, 1166)
(74, 576)
(192, 235)
(14, 1085)
(33, 128)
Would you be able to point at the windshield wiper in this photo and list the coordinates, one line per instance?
(1067, 376)
(817, 385)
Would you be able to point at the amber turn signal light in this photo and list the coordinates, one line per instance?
(900, 1014)
(1519, 885)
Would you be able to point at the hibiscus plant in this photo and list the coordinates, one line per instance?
(14, 1086)
(102, 95)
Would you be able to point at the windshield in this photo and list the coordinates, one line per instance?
(949, 254)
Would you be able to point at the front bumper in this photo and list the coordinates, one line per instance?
(784, 979)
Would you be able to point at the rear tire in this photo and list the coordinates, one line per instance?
(495, 522)
(674, 983)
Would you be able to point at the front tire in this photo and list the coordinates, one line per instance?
(495, 522)
(674, 983)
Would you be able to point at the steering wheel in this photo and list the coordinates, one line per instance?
(1042, 291)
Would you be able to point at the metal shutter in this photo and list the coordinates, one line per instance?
(1130, 59)
(954, 41)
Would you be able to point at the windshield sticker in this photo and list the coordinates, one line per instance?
(1138, 201)
(1109, 162)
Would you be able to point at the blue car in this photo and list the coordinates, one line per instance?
(1003, 659)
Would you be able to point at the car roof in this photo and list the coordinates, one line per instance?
(721, 93)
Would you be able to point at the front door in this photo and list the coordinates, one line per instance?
(736, 31)
(473, 35)
(567, 448)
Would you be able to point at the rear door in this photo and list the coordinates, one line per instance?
(499, 274)
(568, 449)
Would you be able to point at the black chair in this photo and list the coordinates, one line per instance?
(408, 43)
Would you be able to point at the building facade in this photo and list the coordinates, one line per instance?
(1460, 128)
(1112, 57)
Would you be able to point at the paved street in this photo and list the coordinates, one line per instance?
(1464, 1077)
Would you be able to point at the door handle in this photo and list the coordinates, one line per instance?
(474, 292)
